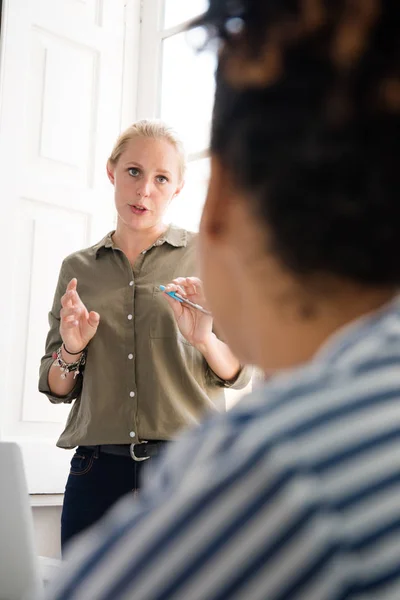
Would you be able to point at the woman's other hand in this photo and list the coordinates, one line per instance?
(194, 325)
(77, 324)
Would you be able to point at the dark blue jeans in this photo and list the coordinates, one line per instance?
(96, 481)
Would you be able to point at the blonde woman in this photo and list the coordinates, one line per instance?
(138, 365)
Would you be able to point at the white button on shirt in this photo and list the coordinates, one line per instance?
(130, 356)
(132, 394)
(131, 283)
(132, 434)
(130, 317)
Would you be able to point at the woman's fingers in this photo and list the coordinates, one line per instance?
(177, 307)
(94, 319)
(70, 316)
(71, 296)
(194, 286)
(187, 287)
(195, 281)
(70, 319)
(173, 287)
(191, 285)
(70, 299)
(76, 299)
(182, 285)
(66, 300)
(77, 326)
(71, 310)
(182, 281)
(72, 285)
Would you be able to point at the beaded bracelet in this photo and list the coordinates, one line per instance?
(75, 367)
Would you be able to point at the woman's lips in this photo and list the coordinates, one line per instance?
(138, 210)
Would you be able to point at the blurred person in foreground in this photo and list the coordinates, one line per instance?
(294, 494)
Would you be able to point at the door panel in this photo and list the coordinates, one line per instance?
(61, 99)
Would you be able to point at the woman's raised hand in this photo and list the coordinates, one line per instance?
(194, 325)
(77, 324)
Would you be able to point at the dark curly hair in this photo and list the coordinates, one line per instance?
(306, 119)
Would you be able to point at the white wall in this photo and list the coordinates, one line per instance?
(46, 520)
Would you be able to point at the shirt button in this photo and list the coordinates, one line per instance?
(130, 317)
(130, 356)
(132, 394)
(132, 434)
(131, 283)
(144, 251)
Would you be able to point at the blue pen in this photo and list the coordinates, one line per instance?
(180, 298)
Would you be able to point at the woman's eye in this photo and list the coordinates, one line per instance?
(162, 179)
(133, 172)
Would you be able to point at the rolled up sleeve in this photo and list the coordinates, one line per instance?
(237, 383)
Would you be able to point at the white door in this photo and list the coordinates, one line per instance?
(62, 104)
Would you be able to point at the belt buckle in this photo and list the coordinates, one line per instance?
(133, 455)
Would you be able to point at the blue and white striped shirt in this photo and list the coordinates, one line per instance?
(293, 494)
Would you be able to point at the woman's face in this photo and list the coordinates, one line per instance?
(252, 298)
(145, 178)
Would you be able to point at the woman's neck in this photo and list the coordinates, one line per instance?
(299, 338)
(133, 242)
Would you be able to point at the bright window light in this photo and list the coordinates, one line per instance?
(187, 91)
(177, 11)
(185, 209)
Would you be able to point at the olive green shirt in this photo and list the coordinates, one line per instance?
(142, 379)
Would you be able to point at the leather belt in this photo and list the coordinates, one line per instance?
(138, 452)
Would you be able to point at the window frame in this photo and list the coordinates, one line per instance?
(152, 36)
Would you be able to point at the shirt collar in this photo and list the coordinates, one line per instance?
(174, 236)
(106, 242)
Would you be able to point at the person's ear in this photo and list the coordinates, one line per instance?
(110, 172)
(218, 201)
(179, 189)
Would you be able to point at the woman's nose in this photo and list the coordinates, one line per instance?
(144, 189)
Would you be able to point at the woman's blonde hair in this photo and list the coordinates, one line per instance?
(150, 128)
